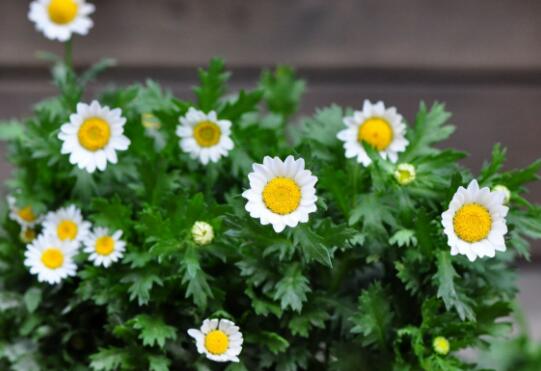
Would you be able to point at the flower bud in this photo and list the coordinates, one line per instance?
(405, 173)
(202, 233)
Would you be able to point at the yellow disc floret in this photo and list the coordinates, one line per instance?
(94, 134)
(66, 230)
(62, 11)
(52, 258)
(207, 133)
(282, 195)
(441, 345)
(472, 222)
(105, 245)
(27, 214)
(216, 342)
(377, 132)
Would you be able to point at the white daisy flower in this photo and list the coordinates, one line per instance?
(204, 137)
(60, 19)
(50, 259)
(66, 224)
(219, 339)
(25, 216)
(202, 233)
(475, 222)
(104, 248)
(93, 136)
(382, 128)
(282, 193)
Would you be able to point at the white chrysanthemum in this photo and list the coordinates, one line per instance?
(282, 193)
(104, 248)
(50, 259)
(66, 224)
(93, 136)
(382, 128)
(25, 215)
(204, 137)
(219, 339)
(202, 233)
(475, 222)
(60, 19)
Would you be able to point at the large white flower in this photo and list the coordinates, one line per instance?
(204, 137)
(104, 248)
(50, 259)
(60, 19)
(219, 339)
(66, 224)
(382, 128)
(282, 193)
(93, 136)
(25, 216)
(475, 222)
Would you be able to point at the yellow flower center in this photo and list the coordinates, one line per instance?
(94, 134)
(216, 342)
(52, 258)
(472, 222)
(105, 245)
(377, 132)
(441, 345)
(62, 11)
(28, 235)
(207, 133)
(282, 195)
(67, 230)
(27, 214)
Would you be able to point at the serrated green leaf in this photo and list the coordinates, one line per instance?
(153, 331)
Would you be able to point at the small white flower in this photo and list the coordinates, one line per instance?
(66, 224)
(104, 248)
(60, 19)
(50, 259)
(219, 339)
(25, 215)
(404, 174)
(475, 222)
(93, 136)
(202, 233)
(204, 137)
(27, 235)
(506, 192)
(282, 193)
(382, 128)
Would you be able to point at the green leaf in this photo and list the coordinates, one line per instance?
(213, 85)
(300, 325)
(371, 210)
(90, 74)
(153, 331)
(32, 299)
(374, 317)
(404, 237)
(324, 126)
(292, 289)
(158, 363)
(312, 245)
(491, 168)
(244, 103)
(447, 290)
(195, 278)
(430, 128)
(282, 90)
(109, 359)
(274, 342)
(11, 130)
(141, 284)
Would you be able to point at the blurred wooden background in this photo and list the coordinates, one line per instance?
(483, 58)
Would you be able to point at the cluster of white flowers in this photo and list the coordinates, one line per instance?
(51, 255)
(281, 193)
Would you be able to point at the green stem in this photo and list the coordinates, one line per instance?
(68, 53)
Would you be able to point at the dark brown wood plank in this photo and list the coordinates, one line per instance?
(384, 33)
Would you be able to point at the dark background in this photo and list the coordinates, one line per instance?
(483, 58)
